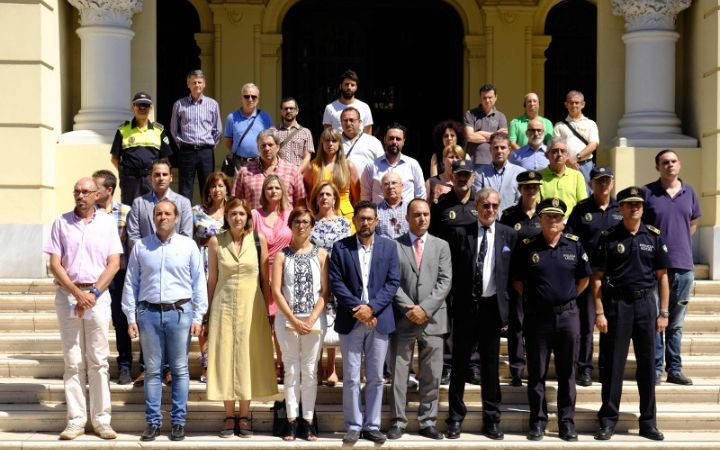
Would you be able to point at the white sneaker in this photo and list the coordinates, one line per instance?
(105, 432)
(71, 432)
(413, 384)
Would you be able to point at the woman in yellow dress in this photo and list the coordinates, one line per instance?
(241, 366)
(331, 164)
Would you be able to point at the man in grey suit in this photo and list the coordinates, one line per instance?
(420, 314)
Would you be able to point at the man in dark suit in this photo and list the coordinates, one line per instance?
(421, 315)
(364, 276)
(480, 307)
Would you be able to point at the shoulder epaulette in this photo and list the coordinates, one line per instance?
(583, 201)
(572, 237)
(653, 229)
(528, 240)
(608, 231)
(506, 210)
(159, 126)
(127, 122)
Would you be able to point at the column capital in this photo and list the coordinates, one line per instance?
(116, 13)
(649, 14)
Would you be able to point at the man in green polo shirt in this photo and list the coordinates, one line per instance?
(519, 125)
(560, 181)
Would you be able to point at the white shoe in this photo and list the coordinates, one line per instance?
(105, 432)
(71, 432)
(413, 383)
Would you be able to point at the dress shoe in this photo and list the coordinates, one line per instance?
(430, 432)
(177, 433)
(150, 433)
(351, 437)
(395, 432)
(492, 431)
(374, 436)
(679, 378)
(516, 381)
(124, 376)
(653, 434)
(445, 378)
(604, 434)
(453, 430)
(568, 433)
(535, 434)
(473, 378)
(140, 380)
(584, 380)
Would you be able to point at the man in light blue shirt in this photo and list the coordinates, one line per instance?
(500, 175)
(532, 156)
(164, 299)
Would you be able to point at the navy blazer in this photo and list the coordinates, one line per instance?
(346, 282)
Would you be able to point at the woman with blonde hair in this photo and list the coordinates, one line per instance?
(331, 164)
(442, 183)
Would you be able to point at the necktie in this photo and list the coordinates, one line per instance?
(418, 251)
(479, 264)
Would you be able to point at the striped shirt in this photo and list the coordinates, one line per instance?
(196, 123)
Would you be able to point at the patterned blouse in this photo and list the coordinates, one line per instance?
(205, 226)
(301, 285)
(327, 232)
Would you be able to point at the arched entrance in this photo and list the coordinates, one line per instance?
(408, 55)
(571, 57)
(177, 53)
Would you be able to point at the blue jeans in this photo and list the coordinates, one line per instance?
(165, 335)
(681, 282)
(585, 167)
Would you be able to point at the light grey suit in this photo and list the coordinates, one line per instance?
(426, 286)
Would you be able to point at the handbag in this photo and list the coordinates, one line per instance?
(228, 166)
(331, 338)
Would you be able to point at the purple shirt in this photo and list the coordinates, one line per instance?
(83, 247)
(672, 216)
(196, 122)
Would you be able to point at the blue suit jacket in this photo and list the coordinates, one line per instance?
(346, 282)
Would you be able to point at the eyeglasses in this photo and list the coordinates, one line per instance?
(491, 205)
(301, 223)
(535, 130)
(289, 108)
(250, 97)
(83, 193)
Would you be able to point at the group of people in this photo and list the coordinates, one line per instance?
(352, 239)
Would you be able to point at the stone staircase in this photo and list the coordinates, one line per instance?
(32, 410)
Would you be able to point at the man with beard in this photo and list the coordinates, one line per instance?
(296, 142)
(251, 177)
(393, 161)
(532, 155)
(348, 88)
(519, 125)
(360, 148)
(501, 175)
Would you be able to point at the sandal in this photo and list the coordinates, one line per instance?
(243, 431)
(290, 430)
(228, 432)
(332, 379)
(308, 432)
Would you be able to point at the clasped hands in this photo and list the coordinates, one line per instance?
(364, 314)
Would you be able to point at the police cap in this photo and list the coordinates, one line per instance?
(142, 98)
(552, 205)
(462, 165)
(529, 177)
(631, 194)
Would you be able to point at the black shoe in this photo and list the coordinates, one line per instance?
(177, 433)
(290, 430)
(454, 429)
(473, 378)
(445, 378)
(679, 378)
(308, 430)
(395, 432)
(492, 431)
(516, 381)
(604, 433)
(535, 434)
(150, 433)
(124, 376)
(568, 433)
(583, 379)
(652, 433)
(430, 432)
(374, 436)
(351, 437)
(167, 379)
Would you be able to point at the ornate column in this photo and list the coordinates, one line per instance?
(650, 119)
(105, 37)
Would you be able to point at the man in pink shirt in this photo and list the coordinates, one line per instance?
(84, 249)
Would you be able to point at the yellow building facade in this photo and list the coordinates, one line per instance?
(69, 69)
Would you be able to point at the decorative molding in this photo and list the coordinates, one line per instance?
(507, 17)
(107, 12)
(234, 15)
(649, 14)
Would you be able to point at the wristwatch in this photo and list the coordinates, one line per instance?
(96, 292)
(664, 314)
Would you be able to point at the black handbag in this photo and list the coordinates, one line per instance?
(228, 166)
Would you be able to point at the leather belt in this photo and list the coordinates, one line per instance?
(477, 299)
(633, 294)
(244, 161)
(196, 146)
(85, 285)
(564, 307)
(165, 306)
(585, 161)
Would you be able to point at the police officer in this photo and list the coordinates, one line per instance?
(523, 218)
(550, 270)
(588, 219)
(138, 142)
(633, 259)
(453, 213)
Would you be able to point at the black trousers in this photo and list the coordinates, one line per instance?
(193, 160)
(548, 332)
(123, 343)
(586, 308)
(476, 324)
(628, 319)
(473, 366)
(516, 343)
(132, 187)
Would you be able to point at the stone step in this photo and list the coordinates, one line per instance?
(48, 391)
(208, 439)
(26, 285)
(203, 417)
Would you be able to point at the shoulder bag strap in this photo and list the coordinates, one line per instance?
(575, 132)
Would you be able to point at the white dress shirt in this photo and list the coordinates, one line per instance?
(489, 287)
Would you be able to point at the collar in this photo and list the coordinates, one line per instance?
(133, 124)
(491, 228)
(77, 218)
(413, 237)
(169, 239)
(291, 126)
(199, 100)
(387, 205)
(168, 196)
(346, 137)
(570, 119)
(361, 246)
(400, 160)
(254, 113)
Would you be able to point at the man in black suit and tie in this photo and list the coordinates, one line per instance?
(480, 307)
